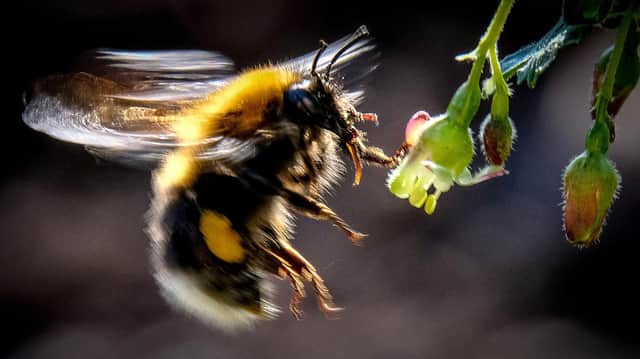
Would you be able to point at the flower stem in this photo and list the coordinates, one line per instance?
(598, 139)
(500, 101)
(606, 90)
(479, 55)
(489, 39)
(498, 77)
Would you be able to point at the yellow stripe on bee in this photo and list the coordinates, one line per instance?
(221, 239)
(237, 109)
(179, 169)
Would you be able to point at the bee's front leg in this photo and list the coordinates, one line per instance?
(375, 155)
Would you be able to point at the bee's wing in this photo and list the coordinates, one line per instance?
(350, 69)
(123, 110)
(167, 75)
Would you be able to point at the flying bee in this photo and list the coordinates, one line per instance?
(234, 157)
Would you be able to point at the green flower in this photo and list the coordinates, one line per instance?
(590, 184)
(439, 158)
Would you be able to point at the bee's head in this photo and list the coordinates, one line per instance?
(317, 101)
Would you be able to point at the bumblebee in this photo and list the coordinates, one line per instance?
(234, 156)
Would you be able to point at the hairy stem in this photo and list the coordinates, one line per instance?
(606, 90)
(599, 136)
(488, 41)
(498, 77)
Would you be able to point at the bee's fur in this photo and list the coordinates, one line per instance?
(303, 159)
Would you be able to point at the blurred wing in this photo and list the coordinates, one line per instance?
(162, 75)
(226, 151)
(349, 70)
(125, 108)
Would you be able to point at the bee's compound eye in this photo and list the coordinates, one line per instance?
(302, 101)
(415, 125)
(307, 104)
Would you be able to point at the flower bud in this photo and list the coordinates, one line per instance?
(590, 184)
(497, 139)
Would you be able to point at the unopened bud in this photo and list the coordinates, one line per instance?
(590, 184)
(497, 139)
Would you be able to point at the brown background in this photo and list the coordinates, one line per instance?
(488, 276)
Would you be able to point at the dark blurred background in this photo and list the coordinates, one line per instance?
(488, 276)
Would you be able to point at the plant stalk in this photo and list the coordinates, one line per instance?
(605, 94)
(479, 55)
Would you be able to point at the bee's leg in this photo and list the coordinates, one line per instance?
(285, 271)
(370, 117)
(315, 209)
(402, 151)
(297, 285)
(294, 266)
(303, 204)
(325, 300)
(375, 155)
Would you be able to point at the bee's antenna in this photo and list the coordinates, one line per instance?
(323, 46)
(359, 34)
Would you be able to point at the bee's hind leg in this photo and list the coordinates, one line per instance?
(294, 267)
(286, 271)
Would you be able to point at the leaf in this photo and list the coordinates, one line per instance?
(529, 62)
